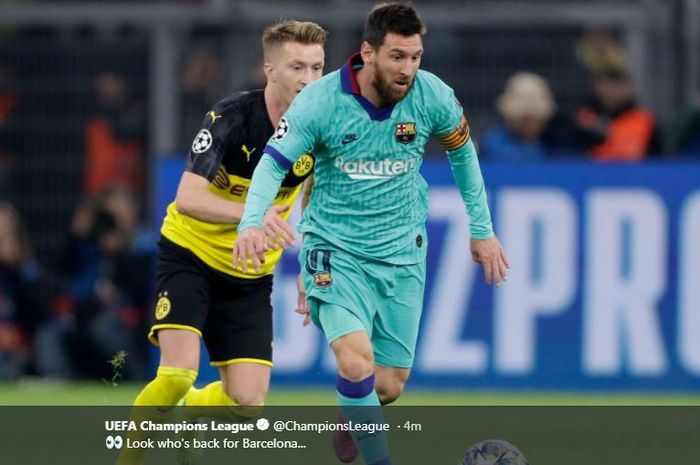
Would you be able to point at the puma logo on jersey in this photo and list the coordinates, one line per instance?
(247, 152)
(213, 116)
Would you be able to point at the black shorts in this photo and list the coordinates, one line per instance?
(232, 315)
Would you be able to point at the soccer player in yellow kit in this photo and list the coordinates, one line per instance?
(200, 295)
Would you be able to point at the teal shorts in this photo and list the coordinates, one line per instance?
(347, 293)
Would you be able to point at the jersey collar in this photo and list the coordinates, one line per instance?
(349, 84)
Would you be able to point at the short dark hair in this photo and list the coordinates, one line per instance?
(397, 18)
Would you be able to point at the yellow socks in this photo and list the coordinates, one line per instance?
(169, 386)
(213, 395)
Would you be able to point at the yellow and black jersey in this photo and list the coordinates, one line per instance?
(225, 151)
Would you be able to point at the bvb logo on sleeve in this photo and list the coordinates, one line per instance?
(163, 305)
(303, 165)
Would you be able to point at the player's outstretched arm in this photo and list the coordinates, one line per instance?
(485, 247)
(195, 200)
(251, 242)
(489, 253)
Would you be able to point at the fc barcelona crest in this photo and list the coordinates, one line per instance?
(318, 264)
(323, 279)
(405, 132)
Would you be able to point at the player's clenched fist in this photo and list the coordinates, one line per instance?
(490, 254)
(251, 244)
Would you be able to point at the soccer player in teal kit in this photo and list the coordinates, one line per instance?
(364, 249)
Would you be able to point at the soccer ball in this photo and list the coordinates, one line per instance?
(493, 452)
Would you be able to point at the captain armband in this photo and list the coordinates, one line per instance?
(457, 137)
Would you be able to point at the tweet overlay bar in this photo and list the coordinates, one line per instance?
(304, 435)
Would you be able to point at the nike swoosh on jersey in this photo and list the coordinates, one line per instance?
(349, 138)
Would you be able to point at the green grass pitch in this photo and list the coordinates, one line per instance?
(46, 393)
(547, 436)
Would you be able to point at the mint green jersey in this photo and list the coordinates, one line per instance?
(369, 197)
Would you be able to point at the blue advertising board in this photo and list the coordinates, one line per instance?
(603, 291)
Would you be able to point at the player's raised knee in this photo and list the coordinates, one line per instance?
(355, 368)
(390, 392)
(248, 397)
(353, 365)
(390, 395)
(353, 354)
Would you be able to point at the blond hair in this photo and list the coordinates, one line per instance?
(303, 32)
(526, 94)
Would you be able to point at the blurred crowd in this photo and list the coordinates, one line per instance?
(71, 319)
(611, 126)
(67, 313)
